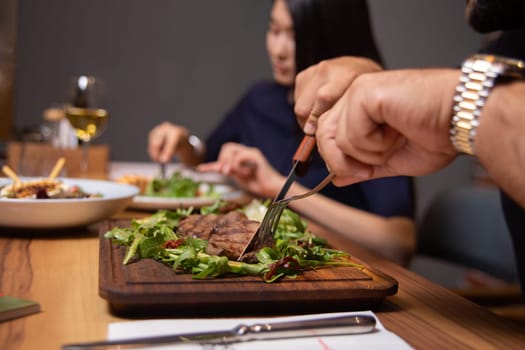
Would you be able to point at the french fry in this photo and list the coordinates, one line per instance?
(11, 174)
(57, 168)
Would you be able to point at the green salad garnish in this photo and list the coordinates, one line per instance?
(179, 186)
(296, 249)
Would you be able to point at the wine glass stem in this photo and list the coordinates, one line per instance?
(85, 158)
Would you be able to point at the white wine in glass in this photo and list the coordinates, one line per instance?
(88, 122)
(86, 113)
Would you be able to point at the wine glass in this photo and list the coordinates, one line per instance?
(86, 112)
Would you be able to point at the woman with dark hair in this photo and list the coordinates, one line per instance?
(262, 130)
(328, 29)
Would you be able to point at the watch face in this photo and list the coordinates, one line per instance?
(512, 68)
(501, 65)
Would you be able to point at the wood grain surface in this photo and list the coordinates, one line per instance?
(59, 269)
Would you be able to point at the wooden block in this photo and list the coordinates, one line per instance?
(38, 159)
(149, 287)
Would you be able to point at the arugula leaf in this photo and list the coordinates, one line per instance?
(132, 249)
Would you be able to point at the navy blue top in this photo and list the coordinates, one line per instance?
(264, 118)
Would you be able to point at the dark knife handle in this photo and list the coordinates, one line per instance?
(303, 154)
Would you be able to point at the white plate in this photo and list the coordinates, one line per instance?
(155, 203)
(60, 213)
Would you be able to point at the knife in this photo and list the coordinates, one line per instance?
(301, 160)
(337, 325)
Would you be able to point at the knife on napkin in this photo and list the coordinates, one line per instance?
(337, 325)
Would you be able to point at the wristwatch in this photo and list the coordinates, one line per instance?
(196, 144)
(479, 74)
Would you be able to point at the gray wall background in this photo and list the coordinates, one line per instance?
(189, 60)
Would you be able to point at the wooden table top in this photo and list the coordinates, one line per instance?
(60, 271)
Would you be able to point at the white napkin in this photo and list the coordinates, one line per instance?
(379, 339)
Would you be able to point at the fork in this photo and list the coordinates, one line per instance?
(162, 170)
(264, 235)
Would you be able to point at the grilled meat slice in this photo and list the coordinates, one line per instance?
(227, 234)
(231, 239)
(198, 226)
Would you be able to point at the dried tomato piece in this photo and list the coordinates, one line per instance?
(173, 243)
(286, 265)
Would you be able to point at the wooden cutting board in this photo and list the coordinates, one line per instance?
(148, 287)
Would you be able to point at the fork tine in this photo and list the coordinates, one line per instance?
(277, 216)
(275, 210)
(265, 233)
(270, 222)
(269, 219)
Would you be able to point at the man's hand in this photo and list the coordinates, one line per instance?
(318, 87)
(389, 123)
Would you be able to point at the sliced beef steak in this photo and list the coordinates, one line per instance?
(227, 234)
(198, 226)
